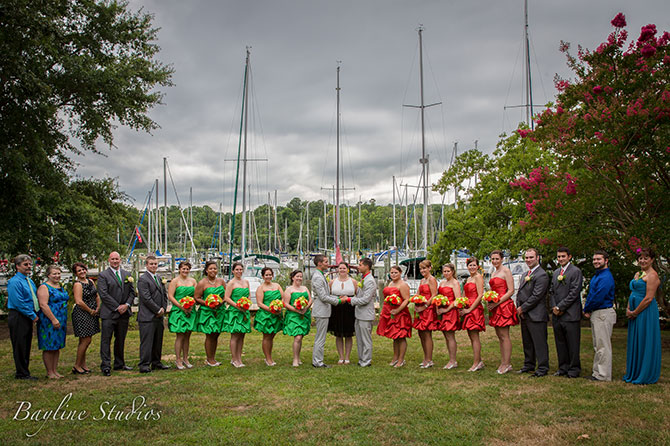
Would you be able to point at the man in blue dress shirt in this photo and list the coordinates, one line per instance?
(23, 306)
(599, 308)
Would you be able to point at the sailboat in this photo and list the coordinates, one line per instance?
(253, 263)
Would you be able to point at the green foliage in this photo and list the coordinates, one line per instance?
(487, 215)
(70, 71)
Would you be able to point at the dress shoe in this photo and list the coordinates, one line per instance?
(524, 371)
(27, 378)
(560, 374)
(591, 378)
(123, 368)
(160, 366)
(145, 370)
(323, 366)
(106, 372)
(538, 375)
(573, 376)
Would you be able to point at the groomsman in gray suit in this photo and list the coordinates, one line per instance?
(117, 294)
(153, 305)
(364, 303)
(566, 307)
(531, 303)
(321, 308)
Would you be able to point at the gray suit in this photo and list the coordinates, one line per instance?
(321, 308)
(364, 303)
(153, 297)
(565, 295)
(112, 294)
(532, 299)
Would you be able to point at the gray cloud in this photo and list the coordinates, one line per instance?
(473, 66)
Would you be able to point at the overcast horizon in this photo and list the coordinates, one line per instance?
(472, 65)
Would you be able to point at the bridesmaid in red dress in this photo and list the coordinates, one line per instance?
(427, 320)
(451, 289)
(503, 314)
(473, 317)
(395, 322)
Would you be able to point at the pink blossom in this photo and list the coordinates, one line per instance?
(619, 21)
(587, 117)
(608, 89)
(524, 132)
(523, 223)
(545, 241)
(570, 188)
(597, 89)
(562, 85)
(646, 33)
(647, 51)
(559, 110)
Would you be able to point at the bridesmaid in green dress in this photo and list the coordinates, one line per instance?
(266, 321)
(182, 321)
(237, 321)
(297, 322)
(210, 320)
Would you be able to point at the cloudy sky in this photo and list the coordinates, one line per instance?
(472, 63)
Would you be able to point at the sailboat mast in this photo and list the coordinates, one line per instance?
(243, 247)
(337, 179)
(529, 85)
(165, 201)
(424, 160)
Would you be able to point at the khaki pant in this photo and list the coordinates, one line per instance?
(602, 322)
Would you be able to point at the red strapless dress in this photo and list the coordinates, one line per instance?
(398, 327)
(504, 314)
(475, 319)
(450, 321)
(427, 319)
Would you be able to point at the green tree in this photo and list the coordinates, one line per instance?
(70, 71)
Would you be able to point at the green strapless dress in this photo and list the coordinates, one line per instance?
(267, 322)
(296, 324)
(211, 320)
(235, 320)
(178, 320)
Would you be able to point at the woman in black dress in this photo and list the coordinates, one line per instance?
(85, 315)
(342, 317)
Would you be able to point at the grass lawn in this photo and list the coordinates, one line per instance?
(343, 405)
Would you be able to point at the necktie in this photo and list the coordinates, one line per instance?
(118, 277)
(562, 271)
(157, 283)
(36, 304)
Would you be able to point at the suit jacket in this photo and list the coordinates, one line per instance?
(112, 293)
(153, 297)
(532, 296)
(364, 300)
(321, 296)
(566, 294)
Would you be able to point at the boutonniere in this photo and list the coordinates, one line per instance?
(529, 278)
(641, 275)
(163, 280)
(327, 278)
(561, 277)
(130, 279)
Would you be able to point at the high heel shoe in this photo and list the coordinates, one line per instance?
(427, 365)
(399, 364)
(270, 364)
(180, 367)
(77, 372)
(393, 363)
(450, 366)
(479, 366)
(505, 370)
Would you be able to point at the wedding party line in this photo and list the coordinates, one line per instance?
(344, 307)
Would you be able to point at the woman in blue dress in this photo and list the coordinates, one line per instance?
(643, 352)
(52, 316)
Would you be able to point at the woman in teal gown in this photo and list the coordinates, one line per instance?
(52, 322)
(210, 320)
(266, 321)
(297, 322)
(182, 321)
(643, 352)
(237, 321)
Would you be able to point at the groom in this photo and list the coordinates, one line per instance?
(364, 302)
(117, 295)
(321, 308)
(531, 303)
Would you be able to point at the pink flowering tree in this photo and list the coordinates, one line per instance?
(609, 135)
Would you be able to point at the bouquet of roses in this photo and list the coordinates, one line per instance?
(300, 304)
(418, 299)
(491, 296)
(461, 302)
(244, 303)
(276, 306)
(393, 299)
(213, 300)
(441, 301)
(187, 302)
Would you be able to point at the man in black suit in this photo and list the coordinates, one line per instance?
(531, 303)
(153, 305)
(566, 308)
(117, 294)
